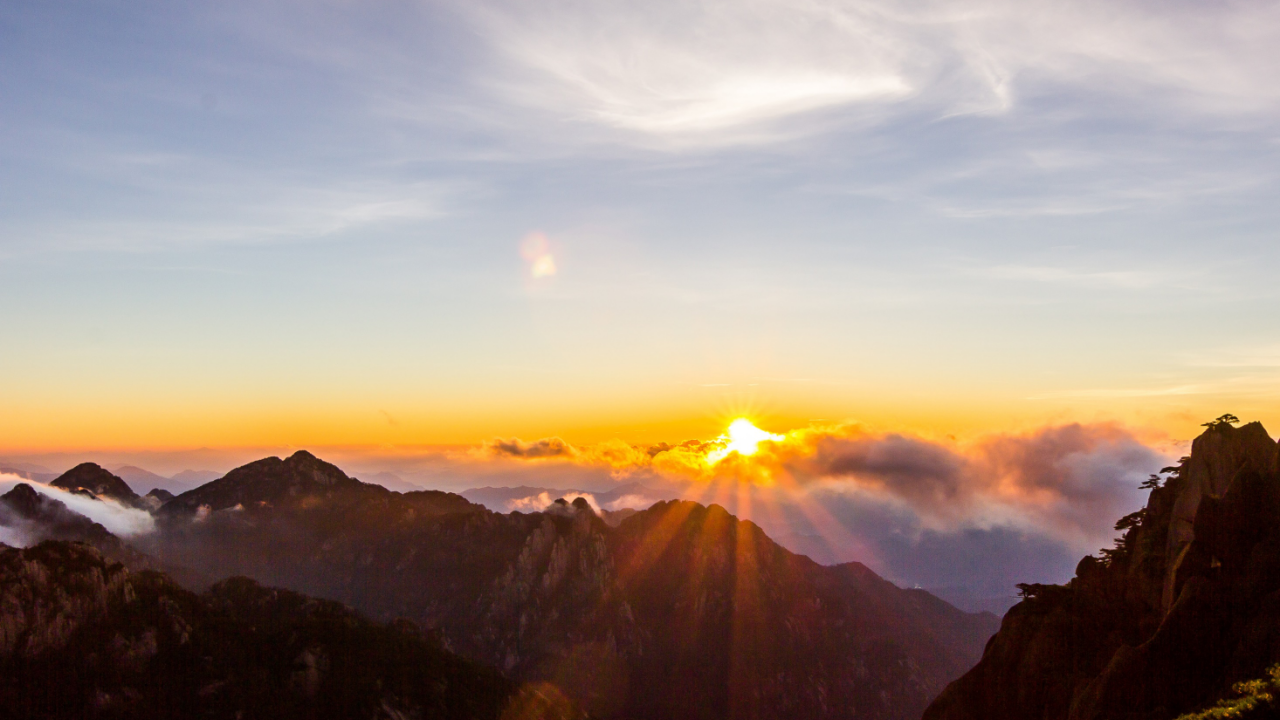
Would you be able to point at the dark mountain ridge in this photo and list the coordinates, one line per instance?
(82, 637)
(682, 611)
(1186, 605)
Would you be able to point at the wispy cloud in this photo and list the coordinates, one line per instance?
(1131, 392)
(1130, 279)
(545, 448)
(247, 215)
(1241, 356)
(721, 71)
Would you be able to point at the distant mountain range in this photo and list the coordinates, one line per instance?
(182, 482)
(26, 474)
(680, 611)
(136, 477)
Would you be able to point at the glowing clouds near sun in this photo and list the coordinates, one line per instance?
(982, 513)
(743, 438)
(1067, 481)
(536, 252)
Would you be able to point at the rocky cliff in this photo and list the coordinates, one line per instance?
(82, 637)
(1186, 605)
(681, 611)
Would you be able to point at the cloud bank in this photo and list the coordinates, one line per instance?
(982, 515)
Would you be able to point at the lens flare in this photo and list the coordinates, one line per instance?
(536, 251)
(743, 437)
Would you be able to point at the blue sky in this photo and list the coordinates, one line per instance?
(255, 223)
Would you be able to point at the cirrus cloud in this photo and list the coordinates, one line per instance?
(722, 70)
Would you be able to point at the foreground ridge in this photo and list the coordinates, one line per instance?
(83, 637)
(1185, 606)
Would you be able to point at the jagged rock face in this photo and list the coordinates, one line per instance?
(681, 611)
(81, 637)
(1215, 461)
(49, 593)
(101, 483)
(1187, 605)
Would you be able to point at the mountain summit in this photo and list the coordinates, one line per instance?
(98, 481)
(267, 481)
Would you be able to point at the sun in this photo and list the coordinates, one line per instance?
(743, 437)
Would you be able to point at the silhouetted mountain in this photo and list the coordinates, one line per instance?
(140, 478)
(1186, 605)
(966, 599)
(96, 480)
(25, 474)
(682, 611)
(190, 479)
(161, 496)
(391, 481)
(81, 637)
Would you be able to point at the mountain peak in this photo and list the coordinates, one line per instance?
(315, 469)
(97, 480)
(24, 499)
(270, 480)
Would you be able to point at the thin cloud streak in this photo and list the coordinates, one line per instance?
(716, 73)
(236, 213)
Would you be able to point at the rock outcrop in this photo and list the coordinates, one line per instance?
(1186, 605)
(81, 637)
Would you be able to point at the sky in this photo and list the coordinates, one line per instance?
(404, 229)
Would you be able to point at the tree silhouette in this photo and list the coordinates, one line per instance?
(1227, 419)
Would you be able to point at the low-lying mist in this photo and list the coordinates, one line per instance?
(121, 521)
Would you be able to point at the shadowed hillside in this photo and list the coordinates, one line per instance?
(82, 637)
